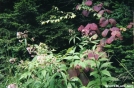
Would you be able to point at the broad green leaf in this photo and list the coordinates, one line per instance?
(93, 48)
(112, 79)
(69, 57)
(73, 50)
(70, 39)
(25, 75)
(74, 85)
(29, 81)
(76, 62)
(94, 42)
(104, 83)
(1, 76)
(74, 40)
(43, 72)
(64, 77)
(36, 84)
(76, 79)
(83, 87)
(91, 84)
(25, 42)
(52, 83)
(128, 85)
(106, 72)
(93, 73)
(94, 14)
(81, 47)
(103, 59)
(70, 49)
(49, 79)
(92, 63)
(76, 57)
(98, 64)
(63, 67)
(31, 66)
(69, 85)
(102, 54)
(108, 46)
(99, 16)
(86, 61)
(106, 64)
(82, 64)
(78, 38)
(95, 36)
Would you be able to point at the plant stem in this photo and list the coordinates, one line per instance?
(126, 70)
(97, 67)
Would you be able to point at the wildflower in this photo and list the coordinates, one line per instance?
(12, 86)
(12, 60)
(19, 35)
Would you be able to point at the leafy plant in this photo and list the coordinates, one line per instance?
(27, 62)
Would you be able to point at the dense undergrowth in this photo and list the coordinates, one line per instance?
(58, 45)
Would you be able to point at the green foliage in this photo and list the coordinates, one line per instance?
(20, 16)
(54, 18)
(121, 11)
(51, 71)
(28, 63)
(122, 51)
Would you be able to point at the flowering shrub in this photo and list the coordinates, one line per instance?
(84, 65)
(107, 30)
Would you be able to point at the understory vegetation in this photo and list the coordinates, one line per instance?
(66, 44)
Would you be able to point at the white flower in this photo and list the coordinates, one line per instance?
(12, 86)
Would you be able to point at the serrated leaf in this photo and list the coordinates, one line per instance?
(106, 72)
